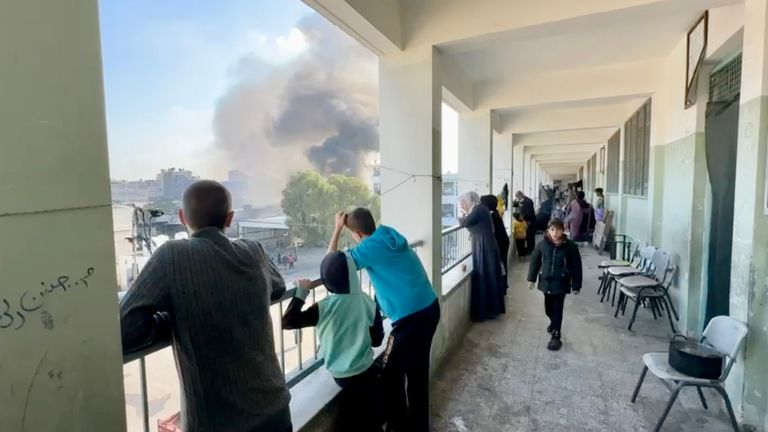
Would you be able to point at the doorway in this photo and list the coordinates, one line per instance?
(721, 129)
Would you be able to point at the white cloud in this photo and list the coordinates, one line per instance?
(257, 40)
(277, 49)
(294, 43)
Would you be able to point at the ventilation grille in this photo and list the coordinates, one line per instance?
(725, 83)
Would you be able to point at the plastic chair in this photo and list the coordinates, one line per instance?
(653, 290)
(642, 266)
(634, 260)
(725, 334)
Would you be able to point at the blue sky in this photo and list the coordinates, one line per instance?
(166, 63)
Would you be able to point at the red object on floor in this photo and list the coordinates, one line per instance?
(171, 424)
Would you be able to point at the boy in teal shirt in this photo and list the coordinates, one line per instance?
(348, 325)
(406, 296)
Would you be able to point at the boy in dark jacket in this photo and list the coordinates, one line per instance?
(556, 263)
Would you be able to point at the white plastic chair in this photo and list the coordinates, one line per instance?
(725, 334)
(652, 289)
(641, 266)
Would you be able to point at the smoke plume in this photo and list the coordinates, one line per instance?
(318, 111)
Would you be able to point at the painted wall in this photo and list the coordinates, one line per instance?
(502, 162)
(454, 323)
(411, 96)
(61, 365)
(475, 136)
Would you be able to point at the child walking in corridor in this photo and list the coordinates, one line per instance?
(520, 232)
(556, 263)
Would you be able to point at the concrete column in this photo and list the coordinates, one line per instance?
(518, 169)
(621, 219)
(502, 162)
(749, 269)
(475, 137)
(410, 119)
(61, 366)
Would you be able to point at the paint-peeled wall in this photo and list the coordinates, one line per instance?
(681, 224)
(61, 366)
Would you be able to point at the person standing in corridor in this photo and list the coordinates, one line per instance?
(556, 264)
(488, 286)
(529, 216)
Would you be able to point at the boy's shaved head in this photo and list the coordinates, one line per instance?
(361, 220)
(207, 204)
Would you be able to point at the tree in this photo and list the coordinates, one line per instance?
(311, 200)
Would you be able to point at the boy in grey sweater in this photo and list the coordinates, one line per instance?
(217, 293)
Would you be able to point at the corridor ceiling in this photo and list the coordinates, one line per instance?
(560, 74)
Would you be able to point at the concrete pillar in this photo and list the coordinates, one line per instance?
(61, 365)
(518, 169)
(475, 137)
(621, 220)
(410, 119)
(527, 173)
(749, 269)
(502, 162)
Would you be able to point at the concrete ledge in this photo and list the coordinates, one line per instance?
(456, 276)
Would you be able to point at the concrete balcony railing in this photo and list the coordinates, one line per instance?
(456, 247)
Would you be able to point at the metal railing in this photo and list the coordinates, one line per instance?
(298, 355)
(456, 247)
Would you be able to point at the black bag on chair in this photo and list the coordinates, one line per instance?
(695, 359)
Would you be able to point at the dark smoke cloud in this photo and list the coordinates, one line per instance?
(345, 152)
(319, 111)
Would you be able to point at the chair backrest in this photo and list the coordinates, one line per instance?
(634, 250)
(727, 335)
(646, 257)
(670, 278)
(660, 263)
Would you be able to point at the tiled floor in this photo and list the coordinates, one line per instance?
(504, 379)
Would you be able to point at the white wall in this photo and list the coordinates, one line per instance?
(411, 97)
(475, 135)
(61, 360)
(502, 162)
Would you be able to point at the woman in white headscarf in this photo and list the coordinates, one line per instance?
(488, 287)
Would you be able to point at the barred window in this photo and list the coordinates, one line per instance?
(614, 147)
(637, 147)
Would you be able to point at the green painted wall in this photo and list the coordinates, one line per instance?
(749, 268)
(637, 219)
(679, 219)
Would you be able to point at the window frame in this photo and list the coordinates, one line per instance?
(637, 142)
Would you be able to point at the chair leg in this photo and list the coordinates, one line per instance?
(615, 288)
(618, 306)
(634, 314)
(639, 383)
(603, 280)
(624, 305)
(728, 406)
(605, 287)
(701, 397)
(653, 309)
(672, 306)
(669, 315)
(668, 408)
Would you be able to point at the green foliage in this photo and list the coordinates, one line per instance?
(310, 201)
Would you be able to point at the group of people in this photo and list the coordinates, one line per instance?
(287, 261)
(215, 294)
(555, 261)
